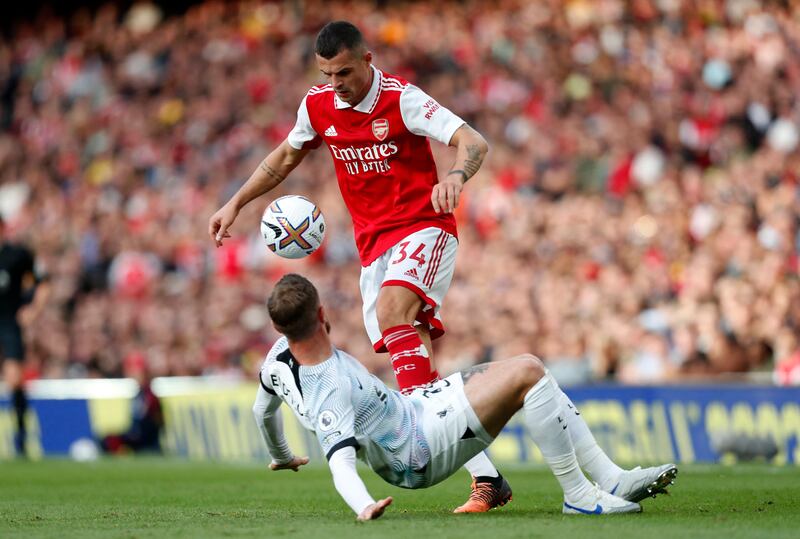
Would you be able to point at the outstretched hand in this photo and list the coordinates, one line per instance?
(375, 510)
(219, 222)
(293, 464)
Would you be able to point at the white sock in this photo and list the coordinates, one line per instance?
(546, 426)
(591, 456)
(481, 466)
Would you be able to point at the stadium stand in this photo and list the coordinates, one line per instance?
(636, 219)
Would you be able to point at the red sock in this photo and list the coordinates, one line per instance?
(410, 361)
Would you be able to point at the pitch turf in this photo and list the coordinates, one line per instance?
(133, 498)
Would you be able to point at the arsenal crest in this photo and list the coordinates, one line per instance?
(380, 128)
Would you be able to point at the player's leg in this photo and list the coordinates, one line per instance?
(415, 275)
(633, 485)
(496, 391)
(489, 489)
(407, 352)
(12, 374)
(397, 310)
(425, 336)
(413, 278)
(11, 348)
(423, 264)
(590, 456)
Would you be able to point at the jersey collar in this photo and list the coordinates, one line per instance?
(366, 105)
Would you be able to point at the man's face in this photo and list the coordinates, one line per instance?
(349, 73)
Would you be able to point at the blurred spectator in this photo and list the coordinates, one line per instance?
(147, 419)
(637, 218)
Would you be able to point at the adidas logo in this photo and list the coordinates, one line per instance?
(412, 273)
(331, 132)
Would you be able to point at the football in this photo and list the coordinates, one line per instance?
(292, 226)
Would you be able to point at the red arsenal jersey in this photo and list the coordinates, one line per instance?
(382, 157)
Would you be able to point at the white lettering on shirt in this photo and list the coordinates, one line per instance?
(361, 159)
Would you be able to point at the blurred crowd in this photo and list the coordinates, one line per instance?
(636, 219)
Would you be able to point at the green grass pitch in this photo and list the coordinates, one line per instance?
(137, 498)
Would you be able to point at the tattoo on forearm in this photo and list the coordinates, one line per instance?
(460, 172)
(477, 369)
(473, 161)
(272, 173)
(471, 164)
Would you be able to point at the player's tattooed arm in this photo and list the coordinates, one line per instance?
(475, 370)
(461, 173)
(473, 161)
(269, 173)
(471, 164)
(472, 148)
(272, 174)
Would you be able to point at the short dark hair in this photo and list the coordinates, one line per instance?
(336, 36)
(293, 306)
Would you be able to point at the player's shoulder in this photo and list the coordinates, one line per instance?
(319, 90)
(280, 346)
(318, 98)
(337, 366)
(348, 362)
(393, 83)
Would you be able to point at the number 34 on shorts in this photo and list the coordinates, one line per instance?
(424, 261)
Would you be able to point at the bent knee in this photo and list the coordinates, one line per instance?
(531, 368)
(396, 305)
(385, 309)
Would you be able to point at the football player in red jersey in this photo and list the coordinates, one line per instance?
(376, 127)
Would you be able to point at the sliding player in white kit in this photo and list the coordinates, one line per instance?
(376, 127)
(418, 440)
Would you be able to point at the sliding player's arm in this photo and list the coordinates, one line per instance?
(336, 434)
(267, 413)
(350, 486)
(267, 175)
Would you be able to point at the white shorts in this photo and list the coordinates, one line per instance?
(424, 263)
(450, 426)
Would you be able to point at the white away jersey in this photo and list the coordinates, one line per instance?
(345, 406)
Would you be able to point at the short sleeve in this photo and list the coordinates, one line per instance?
(266, 383)
(263, 377)
(303, 134)
(424, 116)
(335, 422)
